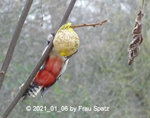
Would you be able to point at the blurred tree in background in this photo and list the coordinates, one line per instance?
(97, 75)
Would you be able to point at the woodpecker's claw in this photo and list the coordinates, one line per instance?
(71, 55)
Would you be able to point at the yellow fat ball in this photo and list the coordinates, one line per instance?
(66, 41)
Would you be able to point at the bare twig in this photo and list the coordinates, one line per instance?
(67, 13)
(29, 80)
(86, 25)
(14, 41)
(36, 69)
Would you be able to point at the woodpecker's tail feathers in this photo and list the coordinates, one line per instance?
(32, 90)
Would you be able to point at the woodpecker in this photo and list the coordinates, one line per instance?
(66, 43)
(51, 71)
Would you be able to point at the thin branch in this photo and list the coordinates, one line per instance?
(14, 41)
(67, 13)
(36, 69)
(29, 80)
(86, 25)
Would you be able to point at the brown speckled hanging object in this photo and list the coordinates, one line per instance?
(134, 46)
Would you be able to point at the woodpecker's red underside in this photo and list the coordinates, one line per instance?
(48, 75)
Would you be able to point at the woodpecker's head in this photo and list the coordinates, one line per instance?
(50, 37)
